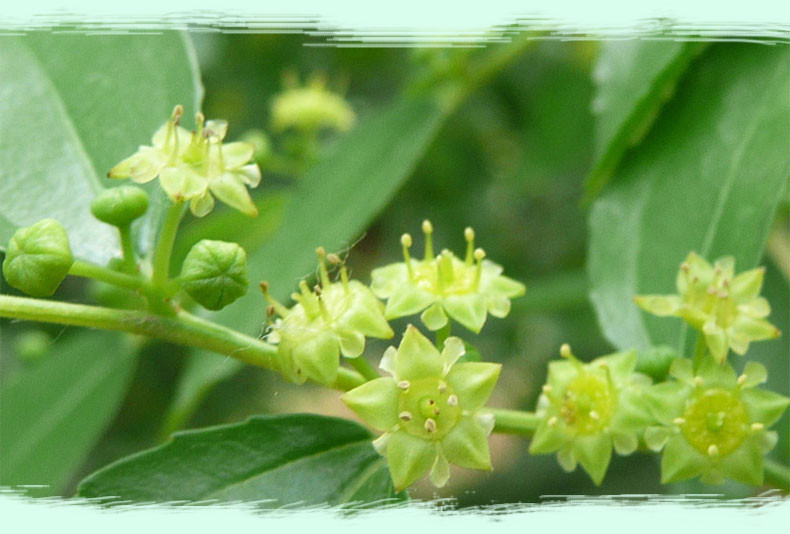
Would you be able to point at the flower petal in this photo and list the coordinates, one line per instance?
(745, 464)
(453, 349)
(375, 402)
(386, 280)
(318, 357)
(473, 383)
(200, 206)
(231, 190)
(416, 357)
(440, 472)
(746, 286)
(434, 317)
(469, 310)
(681, 461)
(660, 305)
(407, 300)
(547, 438)
(466, 445)
(594, 453)
(656, 437)
(764, 406)
(235, 155)
(181, 183)
(251, 174)
(716, 340)
(409, 458)
(352, 343)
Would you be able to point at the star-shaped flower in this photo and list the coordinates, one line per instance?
(430, 409)
(331, 320)
(727, 309)
(311, 108)
(586, 409)
(713, 423)
(444, 285)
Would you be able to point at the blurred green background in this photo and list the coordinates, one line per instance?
(510, 161)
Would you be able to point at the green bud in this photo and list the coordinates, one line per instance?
(32, 345)
(38, 258)
(214, 273)
(119, 206)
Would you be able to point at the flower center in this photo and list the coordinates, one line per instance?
(428, 408)
(715, 417)
(587, 404)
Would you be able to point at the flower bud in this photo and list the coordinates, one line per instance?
(119, 206)
(38, 258)
(214, 273)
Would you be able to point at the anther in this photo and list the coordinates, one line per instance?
(281, 310)
(742, 380)
(756, 427)
(552, 421)
(405, 416)
(405, 240)
(594, 415)
(479, 254)
(452, 400)
(698, 380)
(679, 421)
(442, 387)
(685, 266)
(334, 259)
(469, 235)
(713, 451)
(565, 351)
(436, 410)
(427, 229)
(430, 425)
(404, 384)
(547, 389)
(321, 253)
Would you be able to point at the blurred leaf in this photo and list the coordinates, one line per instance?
(287, 459)
(74, 105)
(54, 412)
(633, 79)
(330, 207)
(705, 179)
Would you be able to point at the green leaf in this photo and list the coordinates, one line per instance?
(705, 179)
(73, 106)
(53, 413)
(633, 80)
(307, 459)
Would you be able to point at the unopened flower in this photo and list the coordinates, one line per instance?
(466, 290)
(712, 423)
(430, 409)
(727, 309)
(193, 166)
(311, 108)
(587, 409)
(327, 321)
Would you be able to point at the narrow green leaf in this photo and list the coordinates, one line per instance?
(307, 459)
(54, 412)
(74, 105)
(633, 79)
(706, 179)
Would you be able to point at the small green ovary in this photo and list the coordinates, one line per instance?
(428, 408)
(587, 404)
(715, 418)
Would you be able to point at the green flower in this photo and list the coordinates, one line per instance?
(713, 424)
(331, 320)
(311, 108)
(444, 285)
(430, 410)
(727, 309)
(193, 166)
(586, 409)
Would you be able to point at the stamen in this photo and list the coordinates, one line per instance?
(446, 273)
(469, 235)
(594, 415)
(324, 274)
(679, 421)
(479, 254)
(309, 300)
(552, 421)
(547, 389)
(404, 384)
(430, 425)
(427, 229)
(281, 310)
(565, 351)
(405, 416)
(742, 380)
(685, 266)
(442, 387)
(713, 451)
(405, 241)
(756, 427)
(344, 279)
(322, 307)
(452, 400)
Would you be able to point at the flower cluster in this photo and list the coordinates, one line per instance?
(726, 308)
(466, 290)
(712, 423)
(194, 166)
(311, 108)
(331, 319)
(430, 409)
(587, 409)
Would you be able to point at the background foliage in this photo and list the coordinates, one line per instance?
(587, 169)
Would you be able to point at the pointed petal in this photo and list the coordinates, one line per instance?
(387, 363)
(408, 300)
(352, 343)
(759, 308)
(727, 266)
(667, 400)
(237, 154)
(231, 190)
(764, 406)
(473, 383)
(201, 205)
(754, 329)
(682, 370)
(755, 373)
(625, 444)
(466, 445)
(619, 364)
(318, 357)
(409, 458)
(560, 373)
(417, 357)
(386, 280)
(251, 174)
(681, 461)
(440, 472)
(498, 305)
(566, 457)
(716, 341)
(746, 286)
(469, 310)
(547, 439)
(507, 287)
(745, 464)
(181, 183)
(453, 349)
(594, 453)
(375, 402)
(656, 437)
(434, 317)
(660, 305)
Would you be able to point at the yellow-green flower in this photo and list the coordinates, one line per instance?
(311, 108)
(713, 424)
(466, 290)
(430, 409)
(194, 166)
(330, 320)
(587, 409)
(727, 309)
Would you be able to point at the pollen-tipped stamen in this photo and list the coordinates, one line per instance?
(308, 300)
(323, 273)
(281, 310)
(427, 229)
(445, 264)
(479, 255)
(469, 236)
(405, 241)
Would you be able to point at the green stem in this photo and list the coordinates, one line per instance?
(129, 257)
(442, 334)
(515, 422)
(700, 351)
(164, 248)
(103, 274)
(777, 475)
(183, 329)
(363, 367)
